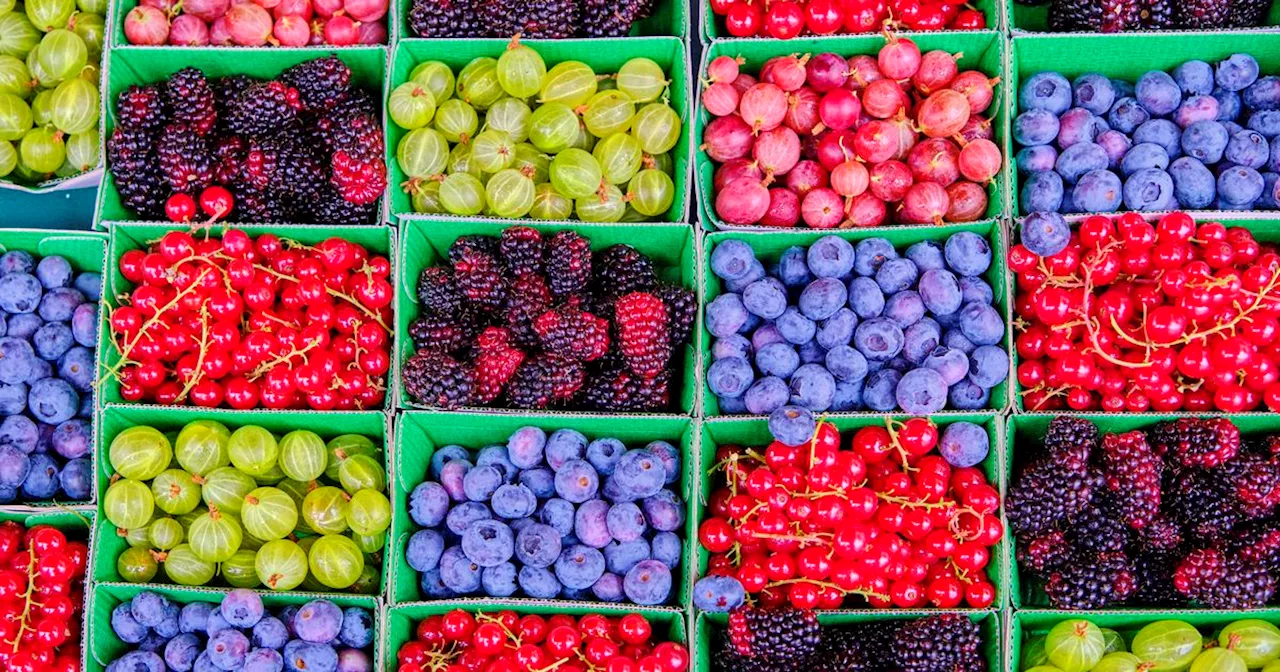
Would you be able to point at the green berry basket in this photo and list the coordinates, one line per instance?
(1027, 18)
(603, 56)
(754, 433)
(769, 245)
(709, 628)
(126, 236)
(127, 66)
(424, 242)
(669, 18)
(1026, 626)
(712, 25)
(982, 50)
(426, 432)
(108, 540)
(1025, 438)
(102, 646)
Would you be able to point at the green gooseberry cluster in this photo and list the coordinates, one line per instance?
(50, 51)
(510, 138)
(251, 507)
(1078, 645)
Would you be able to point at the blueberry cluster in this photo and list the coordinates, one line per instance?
(48, 334)
(1200, 136)
(839, 327)
(239, 634)
(550, 516)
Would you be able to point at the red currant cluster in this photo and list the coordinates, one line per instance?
(884, 520)
(265, 322)
(785, 19)
(459, 641)
(41, 593)
(1131, 317)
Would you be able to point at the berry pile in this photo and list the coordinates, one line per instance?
(509, 641)
(550, 517)
(859, 142)
(306, 147)
(784, 639)
(240, 634)
(277, 23)
(48, 334)
(901, 517)
(785, 19)
(1198, 137)
(844, 328)
(318, 520)
(527, 322)
(43, 585)
(49, 69)
(1121, 315)
(1079, 644)
(534, 19)
(587, 140)
(1113, 16)
(1184, 511)
(262, 322)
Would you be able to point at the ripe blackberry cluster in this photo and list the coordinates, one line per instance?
(304, 148)
(1182, 512)
(1112, 16)
(786, 639)
(527, 321)
(541, 19)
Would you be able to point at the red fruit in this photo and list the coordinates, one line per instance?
(839, 109)
(763, 106)
(980, 161)
(835, 148)
(943, 114)
(899, 58)
(180, 208)
(341, 31)
(786, 72)
(743, 19)
(850, 178)
(822, 208)
(188, 31)
(890, 181)
(826, 71)
(969, 19)
(823, 17)
(875, 141)
(884, 98)
(934, 160)
(867, 210)
(726, 138)
(723, 68)
(804, 176)
(777, 151)
(720, 99)
(802, 111)
(977, 88)
(784, 208)
(146, 26)
(925, 202)
(216, 202)
(937, 69)
(249, 25)
(743, 201)
(736, 168)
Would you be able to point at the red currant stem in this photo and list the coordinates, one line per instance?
(127, 350)
(953, 525)
(813, 441)
(332, 292)
(961, 574)
(827, 584)
(889, 424)
(914, 504)
(29, 600)
(485, 618)
(198, 373)
(281, 359)
(552, 666)
(814, 538)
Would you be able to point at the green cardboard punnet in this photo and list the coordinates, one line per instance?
(712, 25)
(419, 434)
(424, 242)
(769, 245)
(604, 57)
(982, 50)
(1034, 18)
(669, 18)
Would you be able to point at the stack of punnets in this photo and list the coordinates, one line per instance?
(815, 344)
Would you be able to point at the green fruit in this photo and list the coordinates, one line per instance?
(128, 503)
(201, 446)
(1119, 661)
(281, 565)
(165, 533)
(175, 492)
(184, 567)
(226, 488)
(302, 455)
(140, 453)
(214, 537)
(1218, 660)
(325, 510)
(239, 571)
(1255, 640)
(344, 446)
(253, 450)
(335, 561)
(137, 565)
(1113, 639)
(359, 472)
(1169, 646)
(1074, 646)
(8, 158)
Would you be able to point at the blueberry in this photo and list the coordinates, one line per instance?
(823, 297)
(590, 523)
(1264, 94)
(1229, 104)
(1239, 184)
(640, 474)
(1079, 159)
(664, 511)
(1267, 201)
(513, 501)
(17, 360)
(538, 545)
(904, 308)
(954, 338)
(1149, 189)
(625, 521)
(525, 446)
(428, 504)
(966, 396)
(870, 254)
(811, 353)
(577, 481)
(458, 572)
(792, 425)
(1035, 127)
(124, 624)
(1045, 91)
(1041, 192)
(732, 259)
(499, 580)
(669, 455)
(729, 377)
(895, 275)
(666, 548)
(718, 594)
(89, 284)
(648, 583)
(496, 456)
(1144, 155)
(1116, 145)
(1194, 77)
(432, 585)
(1236, 72)
(463, 515)
(1158, 93)
(180, 653)
(480, 483)
(766, 298)
(579, 566)
(54, 271)
(1075, 126)
(603, 454)
(919, 340)
(1194, 186)
(878, 339)
(764, 335)
(812, 387)
(608, 588)
(424, 550)
(564, 445)
(39, 369)
(1267, 123)
(878, 393)
(228, 648)
(921, 391)
(23, 325)
(143, 660)
(951, 364)
(831, 257)
(1249, 149)
(734, 345)
(837, 329)
(846, 364)
(242, 608)
(848, 396)
(1160, 132)
(445, 455)
(194, 617)
(793, 267)
(865, 298)
(981, 324)
(263, 660)
(42, 480)
(766, 395)
(968, 253)
(1036, 158)
(308, 657)
(964, 444)
(76, 366)
(1206, 141)
(1194, 109)
(20, 432)
(1098, 191)
(988, 366)
(795, 327)
(726, 315)
(1093, 92)
(60, 304)
(620, 557)
(19, 293)
(18, 261)
(1126, 115)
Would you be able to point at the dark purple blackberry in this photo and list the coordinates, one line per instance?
(780, 634)
(437, 294)
(532, 386)
(136, 172)
(567, 374)
(286, 164)
(1247, 13)
(614, 388)
(1075, 16)
(1153, 573)
(608, 18)
(1202, 14)
(1202, 506)
(261, 109)
(225, 90)
(933, 643)
(333, 127)
(682, 312)
(1120, 16)
(571, 332)
(1157, 15)
(1045, 553)
(1133, 472)
(541, 19)
(320, 82)
(568, 263)
(1071, 441)
(446, 18)
(185, 161)
(140, 109)
(1097, 528)
(228, 159)
(330, 208)
(527, 298)
(621, 269)
(130, 151)
(436, 379)
(191, 100)
(1048, 496)
(1161, 534)
(1254, 481)
(261, 205)
(842, 649)
(1223, 581)
(1258, 542)
(479, 279)
(473, 247)
(441, 334)
(1195, 442)
(1091, 581)
(521, 250)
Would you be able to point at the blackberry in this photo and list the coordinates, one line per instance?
(1221, 581)
(1120, 15)
(261, 109)
(261, 205)
(1071, 441)
(1202, 507)
(331, 208)
(185, 161)
(436, 379)
(532, 386)
(527, 298)
(473, 248)
(1157, 15)
(320, 82)
(608, 18)
(445, 18)
(614, 388)
(228, 159)
(1045, 553)
(1153, 573)
(1162, 534)
(521, 249)
(1247, 13)
(621, 269)
(841, 650)
(359, 162)
(1196, 442)
(933, 643)
(225, 90)
(191, 100)
(441, 334)
(496, 361)
(682, 312)
(437, 294)
(1259, 542)
(1075, 16)
(140, 109)
(1098, 529)
(334, 125)
(1133, 474)
(136, 171)
(1091, 581)
(644, 336)
(130, 151)
(544, 19)
(568, 263)
(284, 163)
(570, 332)
(567, 374)
(777, 635)
(1048, 496)
(1202, 14)
(727, 659)
(1254, 481)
